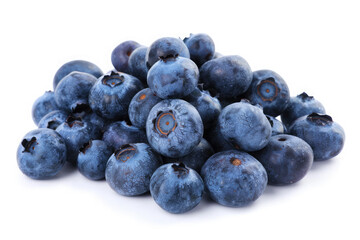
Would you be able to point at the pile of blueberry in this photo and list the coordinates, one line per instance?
(179, 120)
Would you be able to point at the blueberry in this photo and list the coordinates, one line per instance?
(277, 127)
(112, 93)
(43, 105)
(299, 106)
(163, 47)
(72, 92)
(129, 169)
(53, 119)
(201, 48)
(325, 136)
(75, 133)
(216, 139)
(286, 159)
(120, 55)
(140, 106)
(196, 159)
(176, 188)
(229, 76)
(137, 64)
(173, 77)
(245, 126)
(208, 107)
(79, 66)
(270, 91)
(234, 178)
(174, 128)
(120, 133)
(41, 154)
(92, 159)
(96, 125)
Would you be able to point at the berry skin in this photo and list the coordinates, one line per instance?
(137, 64)
(174, 128)
(140, 106)
(78, 66)
(208, 107)
(286, 159)
(72, 92)
(41, 154)
(53, 119)
(299, 106)
(92, 159)
(129, 169)
(277, 127)
(234, 178)
(112, 93)
(173, 77)
(229, 76)
(43, 105)
(176, 188)
(325, 136)
(269, 90)
(201, 48)
(163, 47)
(120, 133)
(216, 139)
(196, 159)
(245, 126)
(75, 133)
(120, 55)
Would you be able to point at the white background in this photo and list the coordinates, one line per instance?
(313, 45)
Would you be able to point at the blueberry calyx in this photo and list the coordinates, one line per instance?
(28, 145)
(235, 161)
(72, 121)
(282, 139)
(304, 97)
(165, 123)
(81, 108)
(125, 152)
(270, 81)
(113, 79)
(85, 147)
(168, 57)
(320, 119)
(180, 169)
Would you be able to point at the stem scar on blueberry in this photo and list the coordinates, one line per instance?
(113, 79)
(165, 123)
(305, 97)
(28, 145)
(72, 121)
(235, 161)
(168, 57)
(85, 147)
(125, 152)
(180, 169)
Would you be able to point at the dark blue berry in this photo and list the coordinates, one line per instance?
(43, 105)
(92, 159)
(130, 168)
(53, 119)
(120, 55)
(41, 154)
(234, 178)
(201, 48)
(137, 64)
(174, 128)
(325, 136)
(112, 93)
(79, 66)
(176, 188)
(286, 159)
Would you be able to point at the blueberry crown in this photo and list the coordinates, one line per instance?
(72, 121)
(319, 119)
(180, 169)
(304, 97)
(113, 79)
(85, 147)
(168, 57)
(28, 144)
